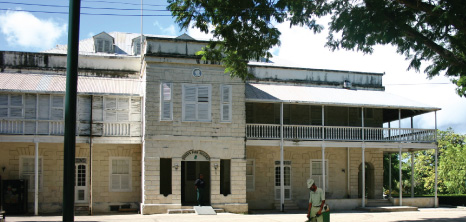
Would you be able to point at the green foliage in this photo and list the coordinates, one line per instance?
(431, 31)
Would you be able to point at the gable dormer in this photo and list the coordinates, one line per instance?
(103, 42)
(136, 45)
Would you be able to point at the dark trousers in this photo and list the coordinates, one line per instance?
(200, 196)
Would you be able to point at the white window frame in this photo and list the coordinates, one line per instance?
(8, 106)
(117, 110)
(224, 103)
(164, 100)
(129, 189)
(101, 42)
(252, 176)
(197, 103)
(286, 163)
(31, 176)
(319, 181)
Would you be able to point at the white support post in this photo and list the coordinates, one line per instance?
(412, 174)
(323, 168)
(400, 178)
(323, 123)
(36, 178)
(348, 171)
(282, 170)
(390, 175)
(436, 163)
(362, 123)
(363, 166)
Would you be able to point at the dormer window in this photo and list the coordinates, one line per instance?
(136, 45)
(103, 46)
(103, 42)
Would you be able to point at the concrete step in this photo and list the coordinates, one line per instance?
(181, 211)
(289, 205)
(388, 209)
(378, 203)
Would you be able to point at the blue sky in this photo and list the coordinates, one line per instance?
(21, 29)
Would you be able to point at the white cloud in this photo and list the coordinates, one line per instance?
(197, 34)
(26, 30)
(301, 47)
(170, 30)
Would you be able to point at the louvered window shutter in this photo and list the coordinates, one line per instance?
(166, 101)
(189, 103)
(203, 103)
(123, 109)
(225, 108)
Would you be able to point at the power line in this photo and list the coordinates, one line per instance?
(84, 13)
(85, 7)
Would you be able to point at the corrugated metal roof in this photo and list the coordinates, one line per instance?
(330, 96)
(40, 83)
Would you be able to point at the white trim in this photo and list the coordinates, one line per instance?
(129, 174)
(228, 103)
(163, 100)
(196, 103)
(32, 175)
(252, 176)
(327, 185)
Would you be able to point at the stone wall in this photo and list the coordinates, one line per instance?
(263, 195)
(51, 194)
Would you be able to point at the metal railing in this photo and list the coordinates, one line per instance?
(339, 133)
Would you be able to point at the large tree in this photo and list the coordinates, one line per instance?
(432, 32)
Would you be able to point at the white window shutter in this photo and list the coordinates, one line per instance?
(110, 103)
(166, 101)
(3, 99)
(189, 103)
(226, 103)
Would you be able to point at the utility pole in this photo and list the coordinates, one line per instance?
(70, 111)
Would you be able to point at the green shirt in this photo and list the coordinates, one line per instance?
(316, 197)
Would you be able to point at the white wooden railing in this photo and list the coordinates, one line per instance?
(117, 129)
(57, 128)
(339, 133)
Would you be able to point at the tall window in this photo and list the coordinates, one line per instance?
(57, 109)
(316, 173)
(225, 177)
(11, 105)
(225, 103)
(116, 109)
(165, 176)
(196, 103)
(26, 171)
(287, 179)
(250, 184)
(120, 174)
(166, 101)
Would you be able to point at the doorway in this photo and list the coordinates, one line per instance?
(190, 171)
(369, 181)
(80, 191)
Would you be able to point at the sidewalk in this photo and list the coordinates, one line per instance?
(423, 215)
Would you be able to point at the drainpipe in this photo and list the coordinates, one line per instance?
(348, 171)
(36, 177)
(282, 176)
(436, 162)
(90, 159)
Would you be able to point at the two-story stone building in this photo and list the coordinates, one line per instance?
(149, 125)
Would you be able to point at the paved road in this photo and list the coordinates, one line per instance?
(423, 215)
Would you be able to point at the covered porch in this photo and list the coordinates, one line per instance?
(336, 123)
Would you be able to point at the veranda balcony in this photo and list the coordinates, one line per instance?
(57, 128)
(339, 133)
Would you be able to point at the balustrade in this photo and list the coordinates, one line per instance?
(339, 133)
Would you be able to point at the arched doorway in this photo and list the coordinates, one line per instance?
(369, 181)
(194, 162)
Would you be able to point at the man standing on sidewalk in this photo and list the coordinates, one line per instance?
(316, 202)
